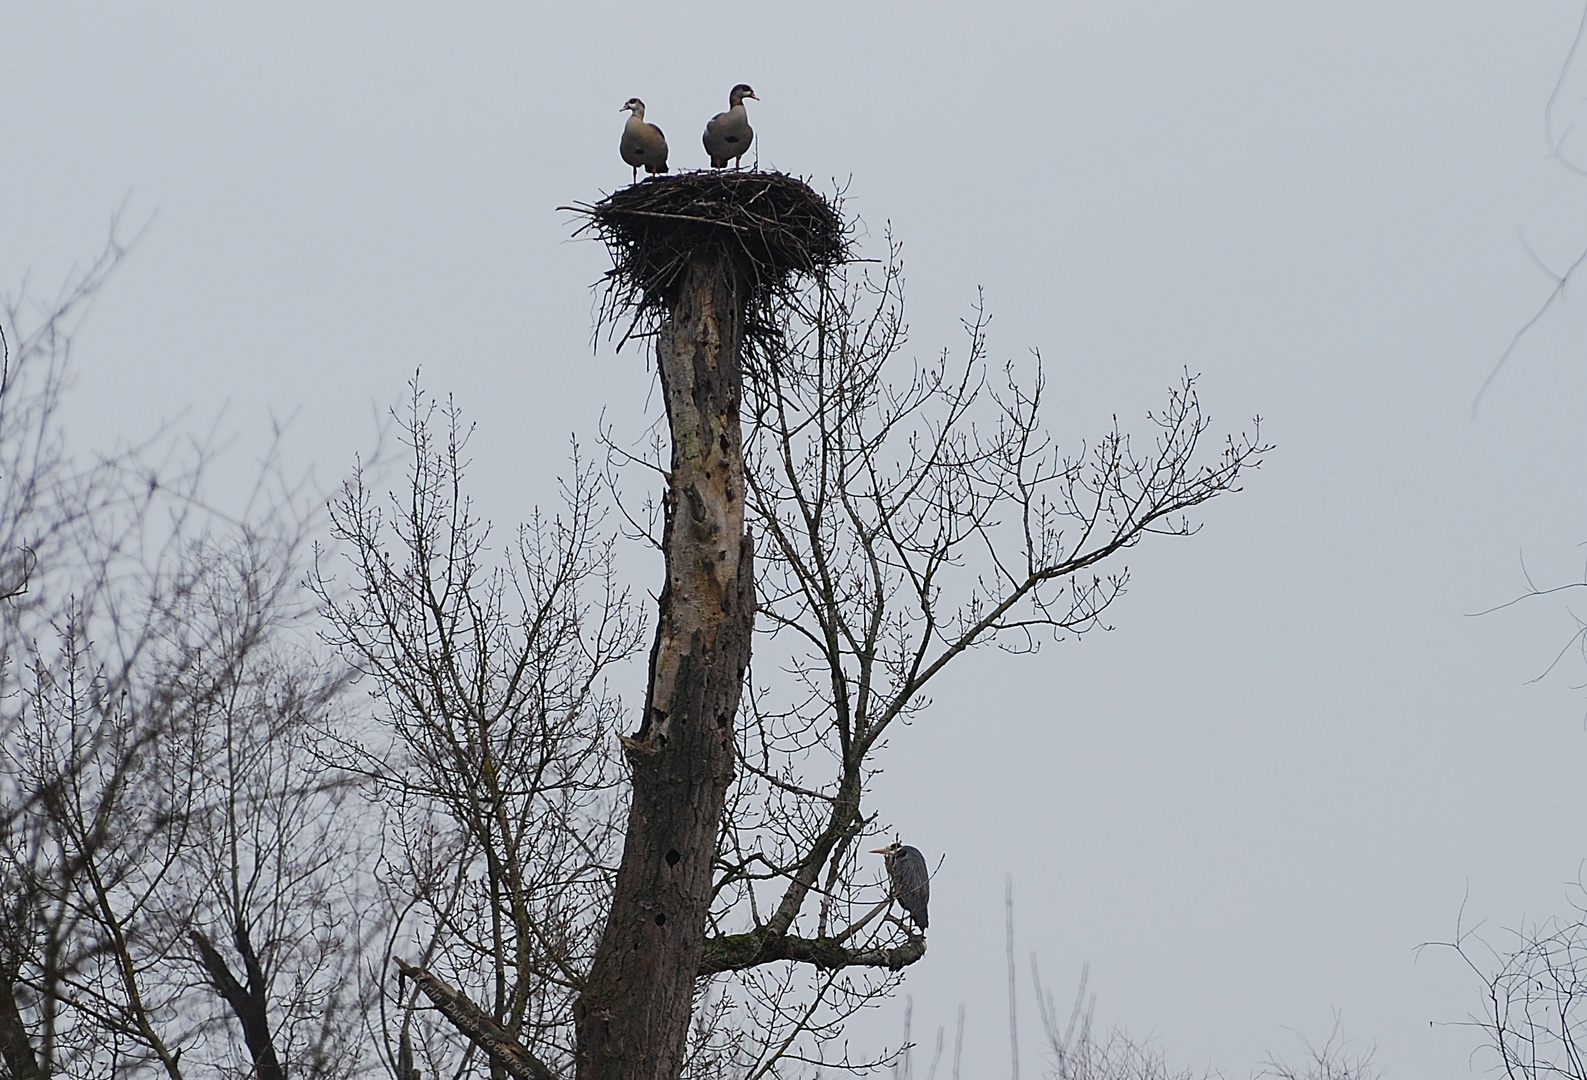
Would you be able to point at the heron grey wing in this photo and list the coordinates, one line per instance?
(913, 882)
(915, 874)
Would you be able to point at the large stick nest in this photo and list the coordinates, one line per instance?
(769, 228)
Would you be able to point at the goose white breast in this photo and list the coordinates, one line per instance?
(728, 134)
(643, 145)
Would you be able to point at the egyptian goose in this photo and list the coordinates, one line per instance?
(728, 134)
(643, 144)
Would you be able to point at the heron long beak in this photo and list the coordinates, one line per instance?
(878, 851)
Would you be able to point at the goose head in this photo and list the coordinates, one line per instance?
(737, 95)
(635, 106)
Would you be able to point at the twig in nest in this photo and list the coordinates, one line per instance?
(769, 229)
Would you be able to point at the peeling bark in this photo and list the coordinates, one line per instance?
(633, 1016)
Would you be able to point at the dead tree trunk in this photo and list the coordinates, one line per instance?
(633, 1016)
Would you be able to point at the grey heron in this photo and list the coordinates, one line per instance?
(911, 879)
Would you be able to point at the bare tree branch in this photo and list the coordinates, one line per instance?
(468, 1018)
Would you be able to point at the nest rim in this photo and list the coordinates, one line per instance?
(771, 230)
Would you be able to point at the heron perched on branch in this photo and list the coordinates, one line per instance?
(911, 879)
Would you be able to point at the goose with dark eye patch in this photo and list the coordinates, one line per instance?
(643, 145)
(728, 134)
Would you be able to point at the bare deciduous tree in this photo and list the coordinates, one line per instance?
(900, 520)
(190, 877)
(903, 521)
(155, 812)
(493, 763)
(1534, 1014)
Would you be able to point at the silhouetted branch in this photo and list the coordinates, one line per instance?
(475, 1023)
(736, 952)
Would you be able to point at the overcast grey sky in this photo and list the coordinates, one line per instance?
(1296, 756)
